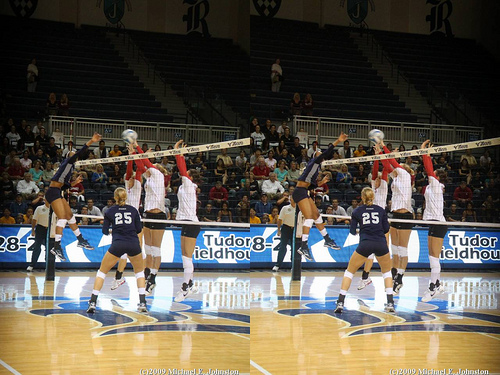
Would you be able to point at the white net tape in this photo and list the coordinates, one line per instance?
(158, 154)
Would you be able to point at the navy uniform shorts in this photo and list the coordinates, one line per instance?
(300, 193)
(367, 248)
(131, 248)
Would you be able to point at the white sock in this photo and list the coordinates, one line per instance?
(154, 271)
(401, 271)
(342, 291)
(323, 232)
(187, 264)
(96, 292)
(305, 237)
(58, 237)
(77, 232)
(389, 291)
(142, 290)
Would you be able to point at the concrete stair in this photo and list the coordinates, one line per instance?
(165, 95)
(414, 100)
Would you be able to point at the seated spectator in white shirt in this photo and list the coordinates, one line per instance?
(339, 210)
(228, 162)
(93, 210)
(258, 137)
(352, 207)
(13, 136)
(27, 187)
(346, 151)
(102, 151)
(312, 150)
(270, 160)
(272, 187)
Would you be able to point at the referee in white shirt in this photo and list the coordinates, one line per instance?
(286, 221)
(39, 227)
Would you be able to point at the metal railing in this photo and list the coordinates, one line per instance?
(404, 133)
(80, 130)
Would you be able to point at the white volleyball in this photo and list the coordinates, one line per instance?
(129, 136)
(375, 136)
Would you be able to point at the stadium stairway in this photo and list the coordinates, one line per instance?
(323, 62)
(413, 99)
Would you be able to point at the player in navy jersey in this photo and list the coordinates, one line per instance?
(125, 223)
(59, 205)
(306, 204)
(373, 225)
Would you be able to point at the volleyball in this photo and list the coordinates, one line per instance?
(129, 136)
(375, 136)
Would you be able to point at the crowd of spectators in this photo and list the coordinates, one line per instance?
(245, 185)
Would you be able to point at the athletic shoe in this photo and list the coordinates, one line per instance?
(142, 307)
(389, 308)
(364, 282)
(275, 269)
(150, 285)
(29, 269)
(85, 244)
(91, 309)
(186, 291)
(57, 251)
(304, 250)
(117, 283)
(331, 243)
(433, 291)
(339, 308)
(398, 284)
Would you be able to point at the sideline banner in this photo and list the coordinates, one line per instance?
(240, 249)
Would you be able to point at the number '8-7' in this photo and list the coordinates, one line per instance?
(370, 218)
(120, 218)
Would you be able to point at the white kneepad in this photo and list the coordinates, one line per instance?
(101, 275)
(395, 250)
(403, 251)
(147, 249)
(308, 223)
(348, 274)
(72, 220)
(61, 223)
(387, 275)
(319, 220)
(155, 251)
(138, 275)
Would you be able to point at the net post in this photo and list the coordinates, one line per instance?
(296, 257)
(50, 259)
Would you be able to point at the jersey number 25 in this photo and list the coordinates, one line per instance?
(370, 218)
(121, 218)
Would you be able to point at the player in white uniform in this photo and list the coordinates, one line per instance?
(434, 205)
(187, 212)
(154, 208)
(401, 209)
(133, 185)
(380, 188)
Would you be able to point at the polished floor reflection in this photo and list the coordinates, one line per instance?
(295, 323)
(44, 327)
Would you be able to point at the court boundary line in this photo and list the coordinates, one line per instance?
(10, 368)
(260, 368)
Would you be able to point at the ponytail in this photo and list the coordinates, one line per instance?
(367, 195)
(120, 196)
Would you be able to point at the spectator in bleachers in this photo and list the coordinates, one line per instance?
(276, 76)
(453, 214)
(273, 216)
(421, 179)
(27, 187)
(242, 209)
(63, 106)
(33, 150)
(344, 178)
(469, 157)
(28, 137)
(389, 147)
(296, 148)
(485, 161)
(218, 194)
(465, 171)
(360, 151)
(266, 129)
(270, 160)
(296, 105)
(329, 220)
(441, 163)
(255, 156)
(469, 214)
(85, 220)
(360, 178)
(282, 127)
(293, 174)
(220, 171)
(15, 170)
(26, 162)
(346, 151)
(282, 173)
(313, 149)
(93, 210)
(303, 158)
(32, 76)
(490, 213)
(476, 183)
(462, 194)
(307, 105)
(40, 156)
(261, 170)
(102, 152)
(52, 106)
(241, 160)
(225, 215)
(43, 138)
(39, 200)
(272, 187)
(318, 201)
(258, 137)
(273, 138)
(253, 219)
(7, 217)
(115, 151)
(28, 216)
(13, 136)
(338, 210)
(19, 206)
(228, 162)
(37, 173)
(99, 178)
(284, 200)
(287, 137)
(76, 188)
(73, 204)
(252, 187)
(209, 214)
(352, 207)
(7, 190)
(109, 204)
(285, 156)
(116, 177)
(231, 184)
(490, 189)
(263, 207)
